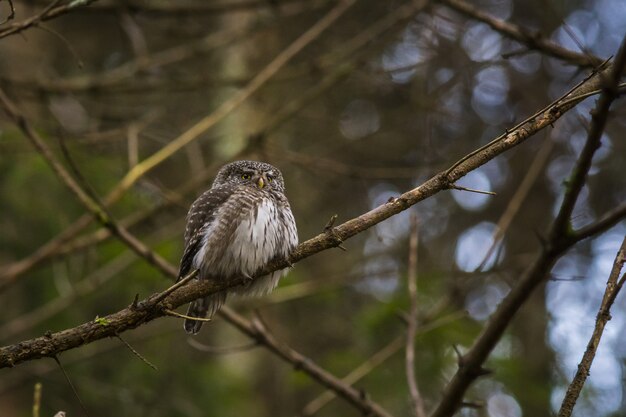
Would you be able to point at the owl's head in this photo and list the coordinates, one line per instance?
(253, 173)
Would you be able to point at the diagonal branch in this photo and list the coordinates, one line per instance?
(533, 40)
(51, 11)
(560, 238)
(127, 319)
(613, 287)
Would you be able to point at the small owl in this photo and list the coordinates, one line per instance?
(236, 228)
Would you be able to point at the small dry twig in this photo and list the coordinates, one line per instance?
(613, 287)
(69, 381)
(139, 355)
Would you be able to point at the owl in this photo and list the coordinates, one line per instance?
(233, 230)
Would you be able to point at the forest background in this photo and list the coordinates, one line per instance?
(473, 285)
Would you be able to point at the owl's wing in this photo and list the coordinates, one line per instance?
(201, 214)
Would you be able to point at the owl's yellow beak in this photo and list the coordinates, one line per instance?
(261, 182)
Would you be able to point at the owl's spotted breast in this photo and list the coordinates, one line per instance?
(260, 232)
(235, 229)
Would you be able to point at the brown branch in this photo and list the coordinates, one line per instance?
(48, 13)
(559, 240)
(148, 310)
(416, 398)
(533, 40)
(598, 117)
(613, 287)
(127, 319)
(607, 221)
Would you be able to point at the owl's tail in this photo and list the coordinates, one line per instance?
(201, 308)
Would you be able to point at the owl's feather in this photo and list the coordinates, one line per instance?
(235, 229)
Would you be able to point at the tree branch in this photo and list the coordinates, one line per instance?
(613, 287)
(127, 319)
(533, 40)
(559, 240)
(48, 13)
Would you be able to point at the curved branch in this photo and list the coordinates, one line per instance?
(131, 318)
(48, 13)
(533, 40)
(560, 238)
(613, 287)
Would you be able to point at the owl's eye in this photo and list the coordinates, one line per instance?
(246, 176)
(270, 179)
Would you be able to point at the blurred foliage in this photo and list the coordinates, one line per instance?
(418, 98)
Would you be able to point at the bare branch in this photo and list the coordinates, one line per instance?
(139, 355)
(48, 13)
(125, 320)
(533, 40)
(604, 223)
(613, 287)
(559, 240)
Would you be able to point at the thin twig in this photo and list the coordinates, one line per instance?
(472, 190)
(47, 13)
(416, 397)
(555, 109)
(186, 317)
(533, 40)
(606, 221)
(139, 355)
(69, 381)
(177, 285)
(613, 287)
(128, 319)
(560, 238)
